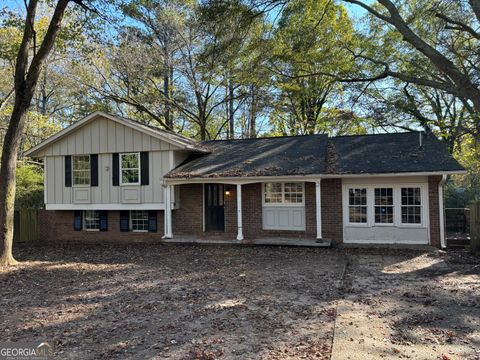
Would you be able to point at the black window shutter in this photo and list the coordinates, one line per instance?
(124, 220)
(152, 221)
(94, 170)
(104, 220)
(144, 168)
(115, 170)
(68, 171)
(77, 220)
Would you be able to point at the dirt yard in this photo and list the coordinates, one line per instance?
(228, 302)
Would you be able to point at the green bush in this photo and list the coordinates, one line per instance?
(29, 187)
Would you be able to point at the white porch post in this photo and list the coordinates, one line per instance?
(168, 212)
(318, 200)
(239, 213)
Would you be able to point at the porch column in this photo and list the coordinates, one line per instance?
(168, 212)
(318, 200)
(239, 213)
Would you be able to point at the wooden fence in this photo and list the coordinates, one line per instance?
(25, 225)
(475, 227)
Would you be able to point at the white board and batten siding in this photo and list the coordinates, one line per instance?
(104, 137)
(396, 233)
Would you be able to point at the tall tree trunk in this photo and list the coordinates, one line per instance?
(25, 84)
(166, 90)
(231, 112)
(253, 114)
(11, 144)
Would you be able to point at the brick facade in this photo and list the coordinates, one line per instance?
(58, 225)
(187, 220)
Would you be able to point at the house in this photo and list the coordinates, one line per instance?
(110, 178)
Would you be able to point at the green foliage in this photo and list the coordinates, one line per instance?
(29, 192)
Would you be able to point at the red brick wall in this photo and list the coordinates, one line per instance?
(332, 211)
(188, 218)
(433, 204)
(58, 225)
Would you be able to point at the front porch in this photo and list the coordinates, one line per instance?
(276, 241)
(240, 211)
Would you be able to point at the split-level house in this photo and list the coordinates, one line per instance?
(110, 178)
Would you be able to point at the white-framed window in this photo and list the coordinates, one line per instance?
(289, 193)
(130, 168)
(411, 205)
(139, 220)
(91, 220)
(384, 208)
(357, 206)
(81, 169)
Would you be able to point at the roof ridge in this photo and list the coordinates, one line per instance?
(378, 134)
(268, 138)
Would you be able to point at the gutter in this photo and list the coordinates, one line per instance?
(441, 212)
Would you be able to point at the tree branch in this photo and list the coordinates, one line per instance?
(459, 25)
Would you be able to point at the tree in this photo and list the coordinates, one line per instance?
(312, 38)
(454, 56)
(27, 72)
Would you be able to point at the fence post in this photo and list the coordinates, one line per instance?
(475, 227)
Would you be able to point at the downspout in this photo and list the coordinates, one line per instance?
(441, 212)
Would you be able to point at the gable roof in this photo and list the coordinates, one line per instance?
(164, 135)
(280, 156)
(390, 153)
(320, 155)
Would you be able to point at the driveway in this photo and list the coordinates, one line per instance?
(238, 302)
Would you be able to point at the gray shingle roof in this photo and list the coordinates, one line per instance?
(318, 154)
(296, 155)
(390, 153)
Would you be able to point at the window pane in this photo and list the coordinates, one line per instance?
(139, 220)
(357, 196)
(293, 193)
(411, 196)
(383, 196)
(81, 170)
(411, 214)
(92, 219)
(384, 214)
(358, 214)
(129, 176)
(273, 192)
(130, 161)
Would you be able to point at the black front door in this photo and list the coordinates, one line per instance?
(214, 208)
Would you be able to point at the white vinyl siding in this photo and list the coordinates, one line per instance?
(386, 215)
(105, 136)
(96, 138)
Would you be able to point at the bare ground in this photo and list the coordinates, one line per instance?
(208, 302)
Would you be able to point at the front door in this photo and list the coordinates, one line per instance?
(214, 208)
